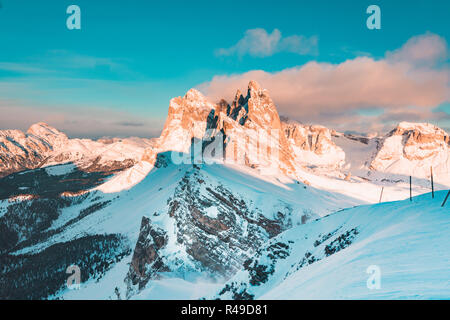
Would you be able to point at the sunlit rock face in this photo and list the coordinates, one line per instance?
(312, 144)
(412, 149)
(249, 130)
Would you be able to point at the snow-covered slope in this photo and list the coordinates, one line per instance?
(359, 151)
(328, 258)
(185, 221)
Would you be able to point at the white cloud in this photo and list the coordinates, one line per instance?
(22, 68)
(67, 63)
(259, 43)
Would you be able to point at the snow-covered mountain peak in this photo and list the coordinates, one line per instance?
(44, 130)
(192, 100)
(293, 145)
(255, 119)
(251, 126)
(256, 110)
(260, 102)
(312, 144)
(194, 95)
(55, 138)
(186, 119)
(43, 145)
(238, 95)
(424, 127)
(420, 134)
(412, 148)
(254, 86)
(424, 136)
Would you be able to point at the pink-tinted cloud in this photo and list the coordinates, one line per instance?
(425, 49)
(413, 75)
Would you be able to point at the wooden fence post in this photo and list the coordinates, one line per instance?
(432, 183)
(410, 188)
(381, 195)
(445, 200)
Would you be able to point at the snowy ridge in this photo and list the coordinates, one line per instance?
(328, 258)
(275, 204)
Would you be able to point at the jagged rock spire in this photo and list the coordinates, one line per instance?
(253, 86)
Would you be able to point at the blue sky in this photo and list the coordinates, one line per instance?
(131, 57)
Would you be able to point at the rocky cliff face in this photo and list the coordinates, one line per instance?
(214, 231)
(313, 145)
(412, 148)
(147, 262)
(255, 132)
(249, 130)
(187, 119)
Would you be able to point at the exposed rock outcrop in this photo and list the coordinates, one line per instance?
(313, 145)
(412, 148)
(249, 129)
(146, 262)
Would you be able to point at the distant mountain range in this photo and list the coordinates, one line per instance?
(409, 149)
